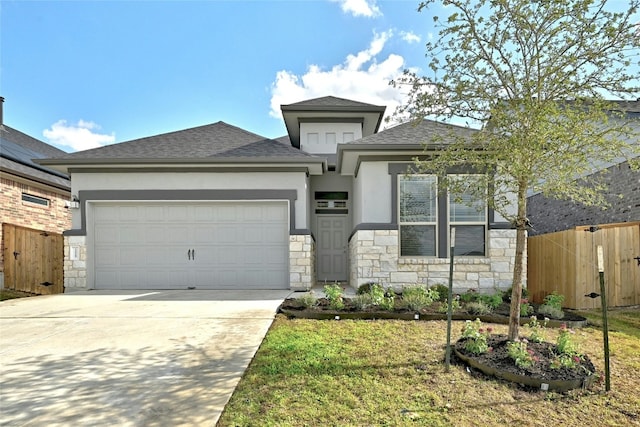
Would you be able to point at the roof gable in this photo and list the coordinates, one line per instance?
(415, 133)
(329, 102)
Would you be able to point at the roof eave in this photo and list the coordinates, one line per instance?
(65, 164)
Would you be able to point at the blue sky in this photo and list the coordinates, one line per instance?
(80, 74)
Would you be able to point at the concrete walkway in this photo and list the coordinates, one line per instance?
(146, 358)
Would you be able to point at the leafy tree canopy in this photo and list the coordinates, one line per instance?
(537, 77)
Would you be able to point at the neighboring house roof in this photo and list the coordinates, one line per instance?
(214, 143)
(333, 109)
(630, 107)
(17, 154)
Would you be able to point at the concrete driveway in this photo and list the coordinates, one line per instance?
(146, 358)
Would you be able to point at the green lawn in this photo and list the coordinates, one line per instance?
(390, 373)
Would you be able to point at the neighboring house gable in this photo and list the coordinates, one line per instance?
(549, 215)
(31, 195)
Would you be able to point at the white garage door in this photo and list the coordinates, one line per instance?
(213, 245)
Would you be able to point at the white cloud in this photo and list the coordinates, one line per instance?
(361, 77)
(410, 37)
(366, 8)
(79, 136)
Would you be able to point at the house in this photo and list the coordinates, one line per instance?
(219, 207)
(549, 215)
(31, 195)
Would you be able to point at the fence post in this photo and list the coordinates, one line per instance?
(447, 359)
(605, 327)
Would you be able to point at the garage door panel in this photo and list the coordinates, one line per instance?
(228, 234)
(107, 256)
(150, 245)
(155, 234)
(128, 213)
(107, 234)
(177, 213)
(154, 213)
(228, 213)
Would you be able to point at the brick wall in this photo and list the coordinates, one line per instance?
(550, 215)
(54, 218)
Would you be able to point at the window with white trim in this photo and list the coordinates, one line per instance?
(468, 214)
(418, 219)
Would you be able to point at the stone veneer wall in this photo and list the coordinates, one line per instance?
(75, 271)
(301, 262)
(374, 258)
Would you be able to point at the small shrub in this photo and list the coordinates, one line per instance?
(362, 301)
(551, 311)
(333, 293)
(521, 355)
(526, 309)
(455, 305)
(365, 288)
(492, 301)
(377, 293)
(537, 329)
(475, 337)
(418, 297)
(469, 296)
(388, 302)
(564, 343)
(442, 290)
(568, 353)
(477, 307)
(307, 300)
(554, 300)
(506, 295)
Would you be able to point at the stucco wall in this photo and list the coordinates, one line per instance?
(54, 218)
(195, 181)
(327, 136)
(551, 215)
(372, 193)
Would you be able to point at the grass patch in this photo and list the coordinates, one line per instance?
(625, 319)
(389, 373)
(6, 294)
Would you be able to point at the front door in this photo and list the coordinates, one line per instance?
(332, 248)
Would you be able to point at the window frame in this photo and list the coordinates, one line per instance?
(435, 224)
(41, 202)
(484, 223)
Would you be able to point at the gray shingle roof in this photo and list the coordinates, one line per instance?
(417, 133)
(217, 140)
(332, 103)
(17, 152)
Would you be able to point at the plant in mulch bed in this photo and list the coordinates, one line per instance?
(475, 337)
(526, 361)
(418, 297)
(552, 306)
(537, 329)
(522, 356)
(333, 293)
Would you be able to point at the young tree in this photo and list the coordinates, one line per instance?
(534, 76)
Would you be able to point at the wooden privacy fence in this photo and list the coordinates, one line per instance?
(33, 260)
(567, 262)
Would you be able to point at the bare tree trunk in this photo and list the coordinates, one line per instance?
(516, 292)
